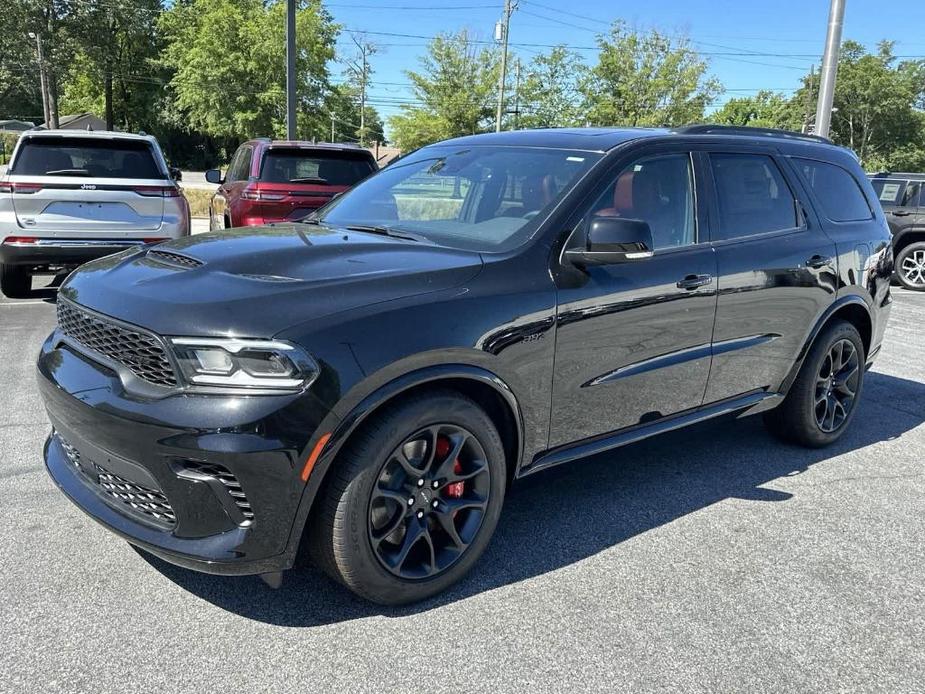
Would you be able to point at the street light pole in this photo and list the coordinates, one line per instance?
(829, 68)
(290, 70)
(504, 25)
(42, 82)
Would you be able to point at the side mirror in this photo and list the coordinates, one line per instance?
(612, 240)
(175, 173)
(214, 176)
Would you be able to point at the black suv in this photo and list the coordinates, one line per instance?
(367, 383)
(904, 205)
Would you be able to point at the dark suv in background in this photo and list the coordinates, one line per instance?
(371, 381)
(903, 201)
(283, 181)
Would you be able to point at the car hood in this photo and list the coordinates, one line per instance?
(258, 281)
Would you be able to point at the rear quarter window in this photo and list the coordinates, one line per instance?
(86, 157)
(837, 191)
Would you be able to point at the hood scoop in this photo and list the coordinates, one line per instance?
(176, 260)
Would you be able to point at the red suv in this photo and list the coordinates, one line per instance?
(283, 180)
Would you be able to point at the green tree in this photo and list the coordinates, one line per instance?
(646, 79)
(876, 101)
(228, 63)
(766, 109)
(343, 103)
(20, 95)
(455, 88)
(114, 71)
(550, 96)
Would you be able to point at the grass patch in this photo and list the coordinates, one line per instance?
(421, 209)
(198, 201)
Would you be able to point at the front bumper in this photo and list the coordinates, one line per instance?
(41, 252)
(156, 471)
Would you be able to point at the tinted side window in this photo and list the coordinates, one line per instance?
(230, 175)
(244, 165)
(911, 195)
(837, 190)
(753, 196)
(889, 192)
(658, 190)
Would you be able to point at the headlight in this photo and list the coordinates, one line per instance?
(243, 363)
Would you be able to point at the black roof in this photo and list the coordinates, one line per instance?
(604, 139)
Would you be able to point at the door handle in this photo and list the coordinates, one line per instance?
(694, 281)
(819, 261)
(900, 213)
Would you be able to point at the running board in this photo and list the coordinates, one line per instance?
(744, 404)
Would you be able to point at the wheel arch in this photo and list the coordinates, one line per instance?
(906, 237)
(486, 388)
(850, 308)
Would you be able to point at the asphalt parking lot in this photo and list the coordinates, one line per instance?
(714, 559)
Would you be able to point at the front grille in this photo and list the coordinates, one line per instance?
(136, 498)
(228, 480)
(142, 352)
(174, 259)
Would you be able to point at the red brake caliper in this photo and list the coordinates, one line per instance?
(456, 489)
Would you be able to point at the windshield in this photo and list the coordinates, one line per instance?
(312, 166)
(86, 156)
(483, 198)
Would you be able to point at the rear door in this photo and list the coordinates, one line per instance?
(777, 270)
(72, 186)
(901, 202)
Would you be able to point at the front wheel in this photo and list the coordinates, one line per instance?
(412, 501)
(823, 399)
(15, 281)
(910, 266)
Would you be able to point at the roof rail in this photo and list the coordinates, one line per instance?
(714, 129)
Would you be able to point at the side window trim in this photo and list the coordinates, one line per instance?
(802, 211)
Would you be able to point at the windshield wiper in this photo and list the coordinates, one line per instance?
(68, 172)
(309, 179)
(384, 231)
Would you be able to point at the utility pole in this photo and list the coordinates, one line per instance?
(516, 93)
(501, 34)
(807, 111)
(361, 70)
(290, 70)
(332, 126)
(46, 111)
(829, 68)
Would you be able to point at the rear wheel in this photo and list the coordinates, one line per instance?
(910, 266)
(412, 501)
(823, 398)
(15, 281)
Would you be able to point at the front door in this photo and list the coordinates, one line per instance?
(633, 339)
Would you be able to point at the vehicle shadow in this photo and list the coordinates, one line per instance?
(564, 515)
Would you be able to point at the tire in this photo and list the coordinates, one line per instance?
(15, 281)
(820, 405)
(910, 266)
(362, 522)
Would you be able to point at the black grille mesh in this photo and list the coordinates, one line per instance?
(148, 502)
(141, 500)
(175, 259)
(141, 352)
(230, 482)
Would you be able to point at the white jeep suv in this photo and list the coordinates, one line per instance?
(71, 196)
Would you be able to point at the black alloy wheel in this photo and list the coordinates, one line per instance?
(824, 395)
(429, 501)
(412, 500)
(837, 386)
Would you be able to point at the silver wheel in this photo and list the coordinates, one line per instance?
(912, 267)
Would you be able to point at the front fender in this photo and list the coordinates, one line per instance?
(336, 430)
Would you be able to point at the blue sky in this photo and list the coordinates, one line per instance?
(772, 43)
